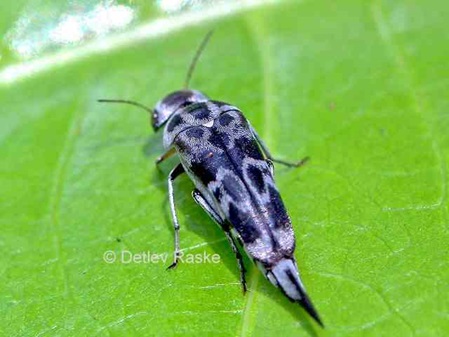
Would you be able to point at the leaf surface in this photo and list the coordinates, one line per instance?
(360, 87)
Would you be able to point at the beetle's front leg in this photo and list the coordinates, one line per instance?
(170, 152)
(178, 170)
(267, 153)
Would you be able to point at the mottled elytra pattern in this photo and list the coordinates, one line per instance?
(233, 175)
(218, 149)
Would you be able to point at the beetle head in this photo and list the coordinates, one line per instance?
(169, 104)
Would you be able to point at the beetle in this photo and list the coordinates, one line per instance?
(232, 170)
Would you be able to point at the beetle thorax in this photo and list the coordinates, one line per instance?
(172, 102)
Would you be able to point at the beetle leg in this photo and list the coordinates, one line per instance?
(171, 177)
(267, 153)
(271, 166)
(170, 152)
(200, 200)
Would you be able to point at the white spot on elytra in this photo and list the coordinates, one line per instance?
(209, 124)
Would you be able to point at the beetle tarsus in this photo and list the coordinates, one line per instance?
(173, 265)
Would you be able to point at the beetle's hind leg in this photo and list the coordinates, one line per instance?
(200, 200)
(290, 164)
(267, 153)
(178, 170)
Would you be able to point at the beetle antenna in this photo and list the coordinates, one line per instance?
(126, 102)
(196, 57)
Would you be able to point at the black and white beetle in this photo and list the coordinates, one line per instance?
(233, 175)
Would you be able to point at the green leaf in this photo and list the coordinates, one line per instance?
(360, 87)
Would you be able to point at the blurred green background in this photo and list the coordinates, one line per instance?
(359, 86)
